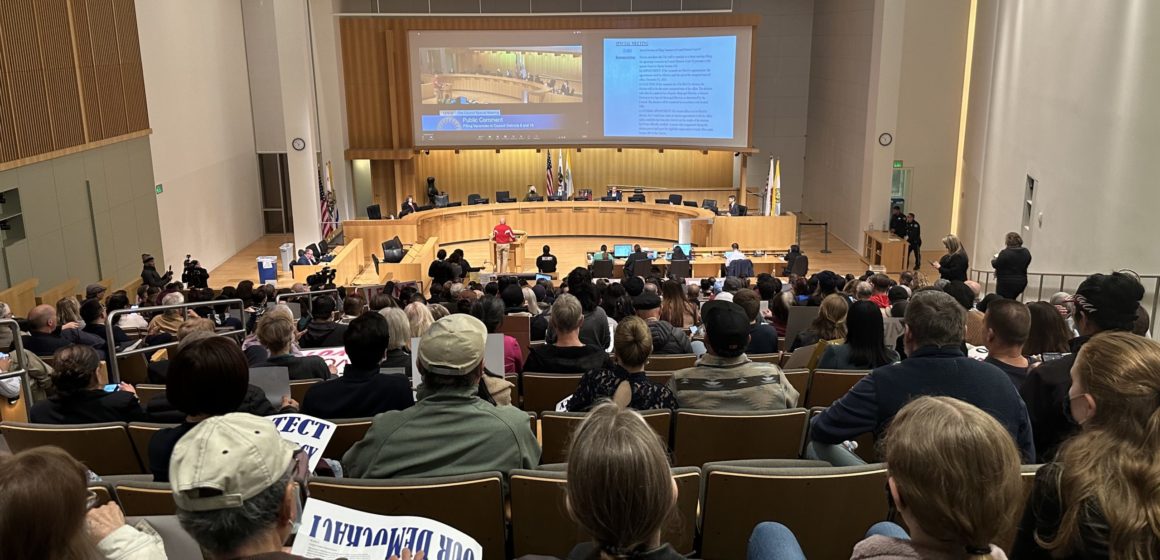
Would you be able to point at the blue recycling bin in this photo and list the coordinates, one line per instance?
(268, 270)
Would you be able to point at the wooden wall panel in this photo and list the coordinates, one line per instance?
(70, 76)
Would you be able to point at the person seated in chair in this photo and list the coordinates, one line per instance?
(546, 263)
(322, 331)
(602, 254)
(790, 258)
(568, 354)
(532, 194)
(306, 257)
(408, 206)
(733, 209)
(636, 256)
(80, 398)
(45, 336)
(362, 390)
(276, 333)
(666, 338)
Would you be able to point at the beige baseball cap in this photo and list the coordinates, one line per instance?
(453, 345)
(226, 460)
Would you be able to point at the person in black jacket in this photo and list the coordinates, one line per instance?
(276, 333)
(637, 255)
(568, 354)
(93, 314)
(1011, 267)
(546, 263)
(1103, 302)
(440, 271)
(79, 398)
(362, 391)
(322, 331)
(935, 365)
(666, 338)
(913, 240)
(897, 222)
(149, 275)
(408, 206)
(432, 192)
(953, 265)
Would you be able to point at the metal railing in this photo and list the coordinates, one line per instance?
(114, 352)
(1037, 282)
(825, 236)
(17, 356)
(309, 296)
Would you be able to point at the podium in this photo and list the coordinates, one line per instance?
(516, 253)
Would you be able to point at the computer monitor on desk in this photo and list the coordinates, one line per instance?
(621, 251)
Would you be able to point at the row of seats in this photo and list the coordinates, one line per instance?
(828, 508)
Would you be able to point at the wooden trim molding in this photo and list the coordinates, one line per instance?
(5, 166)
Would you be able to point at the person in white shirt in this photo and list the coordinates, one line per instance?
(733, 255)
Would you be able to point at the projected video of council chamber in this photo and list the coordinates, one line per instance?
(497, 76)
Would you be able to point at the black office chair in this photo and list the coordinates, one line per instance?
(374, 212)
(502, 197)
(602, 268)
(441, 201)
(680, 269)
(742, 210)
(709, 204)
(608, 199)
(690, 203)
(642, 268)
(675, 199)
(636, 198)
(535, 198)
(555, 198)
(473, 199)
(322, 246)
(314, 249)
(662, 201)
(375, 258)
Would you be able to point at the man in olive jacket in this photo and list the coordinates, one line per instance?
(450, 431)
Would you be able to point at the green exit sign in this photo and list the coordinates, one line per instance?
(158, 189)
(897, 165)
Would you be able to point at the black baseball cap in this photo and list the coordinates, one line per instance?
(726, 328)
(645, 301)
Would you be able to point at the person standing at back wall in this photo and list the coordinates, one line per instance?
(1010, 266)
(914, 240)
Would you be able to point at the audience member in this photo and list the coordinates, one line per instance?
(277, 334)
(955, 506)
(676, 308)
(352, 306)
(532, 301)
(1143, 322)
(48, 512)
(489, 311)
(1103, 302)
(624, 381)
(80, 398)
(473, 435)
(666, 338)
(935, 365)
(620, 489)
(398, 353)
(68, 310)
(724, 377)
(120, 300)
(779, 311)
(898, 295)
(865, 346)
(1048, 333)
(322, 331)
(43, 338)
(149, 275)
(513, 300)
(361, 391)
(829, 325)
(762, 336)
(440, 270)
(595, 329)
(863, 291)
(568, 354)
(419, 317)
(1007, 323)
(239, 487)
(1097, 498)
(953, 266)
(438, 311)
(976, 330)
(881, 284)
(1010, 266)
(170, 319)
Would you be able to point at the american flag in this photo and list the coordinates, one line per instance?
(549, 178)
(327, 209)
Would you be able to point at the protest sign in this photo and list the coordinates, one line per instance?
(307, 432)
(331, 532)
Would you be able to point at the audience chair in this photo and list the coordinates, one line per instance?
(146, 392)
(145, 498)
(799, 358)
(543, 390)
(104, 448)
(141, 433)
(602, 269)
(347, 432)
(471, 503)
(659, 377)
(299, 387)
(800, 317)
(519, 328)
(703, 436)
(829, 509)
(541, 524)
(827, 386)
(772, 358)
(558, 427)
(14, 410)
(671, 362)
(800, 379)
(179, 545)
(133, 369)
(867, 443)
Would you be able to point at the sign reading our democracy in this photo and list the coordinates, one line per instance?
(330, 532)
(335, 358)
(307, 432)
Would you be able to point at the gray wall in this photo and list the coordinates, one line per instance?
(61, 241)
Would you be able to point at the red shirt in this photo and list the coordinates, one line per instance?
(881, 300)
(503, 234)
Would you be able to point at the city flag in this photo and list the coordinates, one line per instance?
(568, 188)
(560, 161)
(771, 202)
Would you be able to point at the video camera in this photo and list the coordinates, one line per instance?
(321, 279)
(193, 275)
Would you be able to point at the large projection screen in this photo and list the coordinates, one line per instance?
(621, 87)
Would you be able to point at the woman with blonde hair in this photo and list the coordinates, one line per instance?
(957, 488)
(620, 488)
(830, 325)
(398, 339)
(1099, 497)
(419, 316)
(531, 302)
(68, 310)
(625, 382)
(953, 265)
(438, 311)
